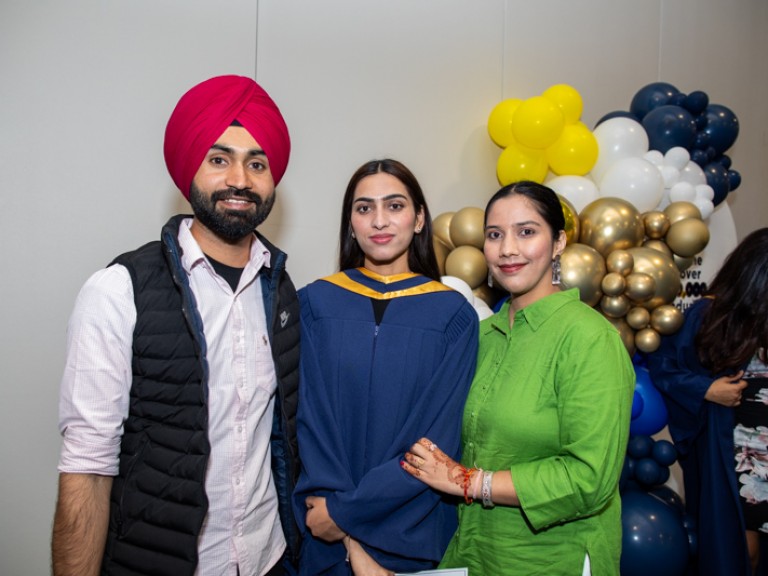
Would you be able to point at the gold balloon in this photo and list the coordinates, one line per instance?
(666, 319)
(682, 263)
(640, 286)
(609, 224)
(466, 227)
(619, 261)
(613, 284)
(659, 245)
(662, 269)
(656, 224)
(441, 228)
(625, 332)
(467, 263)
(572, 225)
(680, 210)
(638, 317)
(647, 340)
(441, 253)
(583, 267)
(688, 237)
(614, 306)
(488, 295)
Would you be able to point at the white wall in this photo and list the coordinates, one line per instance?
(87, 86)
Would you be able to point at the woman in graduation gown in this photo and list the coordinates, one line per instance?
(388, 354)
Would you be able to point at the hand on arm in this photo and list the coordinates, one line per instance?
(361, 562)
(319, 521)
(726, 390)
(80, 524)
(432, 466)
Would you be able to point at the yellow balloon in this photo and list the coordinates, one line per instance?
(609, 224)
(638, 318)
(679, 210)
(647, 340)
(666, 319)
(626, 333)
(640, 287)
(620, 261)
(537, 122)
(583, 267)
(500, 122)
(688, 237)
(659, 245)
(467, 263)
(663, 270)
(575, 152)
(613, 284)
(656, 224)
(466, 228)
(441, 253)
(441, 228)
(571, 220)
(518, 162)
(567, 99)
(614, 306)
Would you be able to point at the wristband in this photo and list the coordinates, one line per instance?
(485, 491)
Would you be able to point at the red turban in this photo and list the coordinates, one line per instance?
(207, 110)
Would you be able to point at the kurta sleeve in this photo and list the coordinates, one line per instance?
(385, 508)
(594, 388)
(676, 371)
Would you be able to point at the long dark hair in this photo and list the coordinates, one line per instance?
(544, 199)
(421, 252)
(735, 326)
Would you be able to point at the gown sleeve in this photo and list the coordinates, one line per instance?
(595, 383)
(676, 371)
(386, 508)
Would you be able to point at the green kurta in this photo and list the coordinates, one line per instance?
(551, 401)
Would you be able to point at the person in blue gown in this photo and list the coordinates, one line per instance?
(713, 376)
(388, 354)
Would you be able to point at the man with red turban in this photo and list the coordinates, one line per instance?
(178, 400)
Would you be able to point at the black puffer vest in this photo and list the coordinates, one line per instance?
(158, 500)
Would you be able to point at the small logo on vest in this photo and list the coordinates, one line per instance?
(284, 318)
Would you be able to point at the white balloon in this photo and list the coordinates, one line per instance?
(677, 157)
(670, 175)
(617, 138)
(578, 190)
(460, 286)
(654, 157)
(682, 192)
(705, 191)
(483, 310)
(635, 180)
(706, 207)
(693, 173)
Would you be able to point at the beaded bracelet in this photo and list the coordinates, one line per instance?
(485, 491)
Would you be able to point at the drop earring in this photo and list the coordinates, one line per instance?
(490, 279)
(556, 270)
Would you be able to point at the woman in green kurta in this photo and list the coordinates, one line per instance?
(547, 418)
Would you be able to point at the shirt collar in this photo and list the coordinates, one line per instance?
(534, 314)
(193, 256)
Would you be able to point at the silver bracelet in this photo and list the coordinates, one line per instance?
(485, 491)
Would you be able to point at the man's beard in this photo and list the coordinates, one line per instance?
(229, 225)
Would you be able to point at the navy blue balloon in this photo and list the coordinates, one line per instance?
(734, 180)
(640, 446)
(664, 452)
(672, 499)
(654, 416)
(696, 102)
(637, 405)
(617, 114)
(702, 140)
(670, 126)
(647, 472)
(651, 96)
(725, 160)
(701, 121)
(627, 472)
(654, 540)
(700, 157)
(717, 178)
(677, 100)
(689, 523)
(664, 475)
(722, 127)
